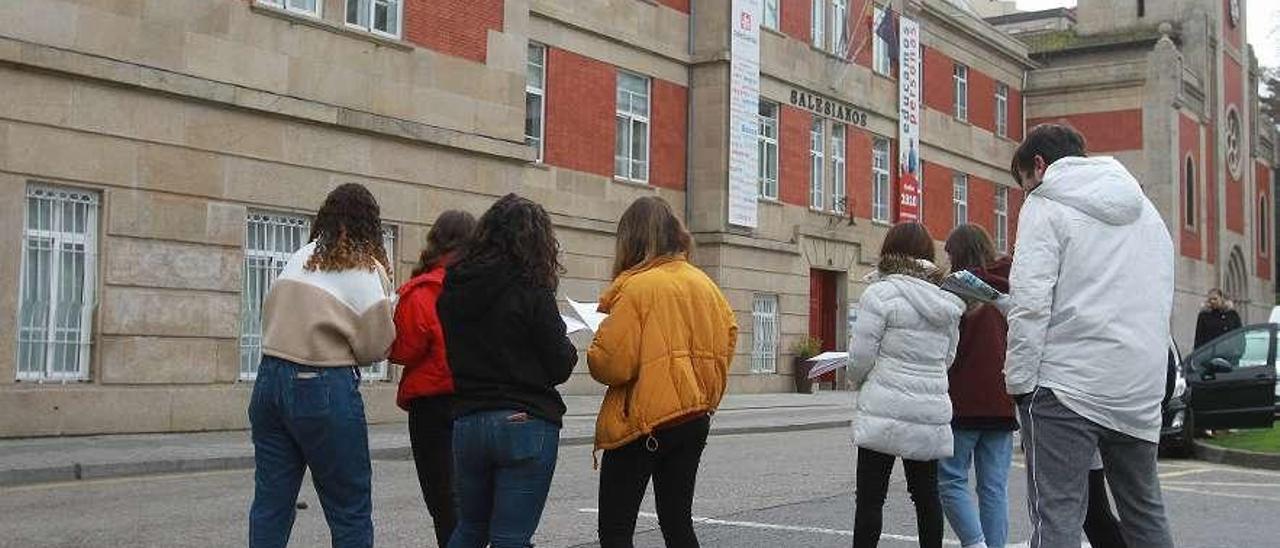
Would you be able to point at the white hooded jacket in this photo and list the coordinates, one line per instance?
(1092, 290)
(901, 345)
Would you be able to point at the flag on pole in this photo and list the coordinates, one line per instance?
(888, 31)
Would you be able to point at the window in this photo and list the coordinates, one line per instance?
(880, 180)
(819, 23)
(880, 61)
(272, 238)
(768, 150)
(764, 334)
(817, 144)
(960, 198)
(839, 191)
(308, 7)
(631, 153)
(535, 94)
(58, 282)
(1002, 109)
(1189, 193)
(1263, 224)
(1002, 219)
(960, 74)
(772, 14)
(840, 27)
(376, 16)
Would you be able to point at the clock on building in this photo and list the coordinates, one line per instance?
(1235, 142)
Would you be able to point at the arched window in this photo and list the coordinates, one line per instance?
(1189, 193)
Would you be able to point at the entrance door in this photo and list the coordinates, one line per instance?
(824, 311)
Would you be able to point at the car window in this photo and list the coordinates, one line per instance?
(1244, 348)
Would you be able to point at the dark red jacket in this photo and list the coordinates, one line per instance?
(978, 397)
(419, 344)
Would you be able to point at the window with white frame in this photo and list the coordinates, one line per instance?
(880, 61)
(839, 190)
(819, 23)
(1002, 109)
(58, 282)
(767, 167)
(631, 150)
(960, 75)
(307, 7)
(270, 240)
(817, 148)
(840, 27)
(960, 198)
(772, 14)
(535, 95)
(376, 16)
(880, 180)
(1002, 219)
(764, 334)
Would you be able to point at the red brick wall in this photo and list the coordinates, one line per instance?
(668, 134)
(1189, 144)
(1235, 194)
(937, 200)
(938, 87)
(982, 204)
(678, 5)
(793, 152)
(579, 113)
(1232, 33)
(1015, 114)
(1103, 131)
(1262, 194)
(1016, 198)
(1212, 184)
(858, 162)
(796, 16)
(453, 27)
(982, 100)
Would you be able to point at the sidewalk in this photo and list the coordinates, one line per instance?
(42, 460)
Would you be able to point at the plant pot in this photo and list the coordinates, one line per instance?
(804, 385)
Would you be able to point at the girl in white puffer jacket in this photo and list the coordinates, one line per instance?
(903, 341)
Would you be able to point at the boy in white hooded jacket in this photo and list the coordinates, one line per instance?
(1092, 292)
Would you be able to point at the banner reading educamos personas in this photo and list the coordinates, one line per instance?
(909, 82)
(744, 111)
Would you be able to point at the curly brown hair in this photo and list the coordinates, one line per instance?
(449, 235)
(516, 231)
(348, 232)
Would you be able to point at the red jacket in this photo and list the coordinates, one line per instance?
(978, 397)
(419, 344)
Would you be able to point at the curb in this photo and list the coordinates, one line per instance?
(78, 471)
(1236, 457)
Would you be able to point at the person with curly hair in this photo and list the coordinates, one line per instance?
(506, 345)
(328, 313)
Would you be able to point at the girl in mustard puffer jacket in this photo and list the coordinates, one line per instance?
(664, 352)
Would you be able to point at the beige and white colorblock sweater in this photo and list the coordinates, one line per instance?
(328, 319)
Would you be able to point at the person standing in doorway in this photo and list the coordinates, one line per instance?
(983, 419)
(328, 313)
(506, 345)
(1092, 292)
(664, 352)
(900, 347)
(426, 385)
(1217, 318)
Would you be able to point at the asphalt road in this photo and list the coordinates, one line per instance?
(791, 489)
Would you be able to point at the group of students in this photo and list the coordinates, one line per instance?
(483, 346)
(1075, 357)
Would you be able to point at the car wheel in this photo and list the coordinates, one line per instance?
(1187, 439)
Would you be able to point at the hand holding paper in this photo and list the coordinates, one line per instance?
(587, 317)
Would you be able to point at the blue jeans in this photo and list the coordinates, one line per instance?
(503, 461)
(990, 453)
(309, 417)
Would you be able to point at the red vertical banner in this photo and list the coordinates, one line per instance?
(909, 172)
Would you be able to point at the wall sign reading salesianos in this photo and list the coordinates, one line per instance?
(828, 108)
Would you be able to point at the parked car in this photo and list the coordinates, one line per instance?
(1230, 383)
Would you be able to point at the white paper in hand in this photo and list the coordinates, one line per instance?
(573, 325)
(827, 362)
(588, 314)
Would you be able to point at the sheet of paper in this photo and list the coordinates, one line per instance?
(573, 325)
(827, 362)
(588, 314)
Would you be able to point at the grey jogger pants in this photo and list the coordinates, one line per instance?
(1059, 446)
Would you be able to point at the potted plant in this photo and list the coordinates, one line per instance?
(803, 349)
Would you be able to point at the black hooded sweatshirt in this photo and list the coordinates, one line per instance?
(505, 342)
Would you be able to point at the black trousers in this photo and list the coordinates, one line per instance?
(671, 457)
(1100, 525)
(431, 436)
(872, 486)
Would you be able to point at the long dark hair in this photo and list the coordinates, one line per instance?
(449, 235)
(649, 229)
(968, 247)
(348, 232)
(909, 239)
(517, 232)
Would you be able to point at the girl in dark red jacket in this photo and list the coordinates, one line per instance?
(426, 385)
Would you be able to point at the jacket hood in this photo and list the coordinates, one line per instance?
(995, 274)
(1099, 187)
(475, 287)
(917, 281)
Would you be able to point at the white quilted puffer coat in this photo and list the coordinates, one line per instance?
(902, 343)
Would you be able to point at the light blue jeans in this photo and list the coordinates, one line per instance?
(989, 453)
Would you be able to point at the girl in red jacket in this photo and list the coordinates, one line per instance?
(427, 384)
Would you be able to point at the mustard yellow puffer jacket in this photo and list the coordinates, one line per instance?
(664, 351)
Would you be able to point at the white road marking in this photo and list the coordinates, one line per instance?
(1217, 494)
(1186, 473)
(1218, 484)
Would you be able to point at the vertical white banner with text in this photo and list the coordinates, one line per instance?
(909, 82)
(744, 110)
